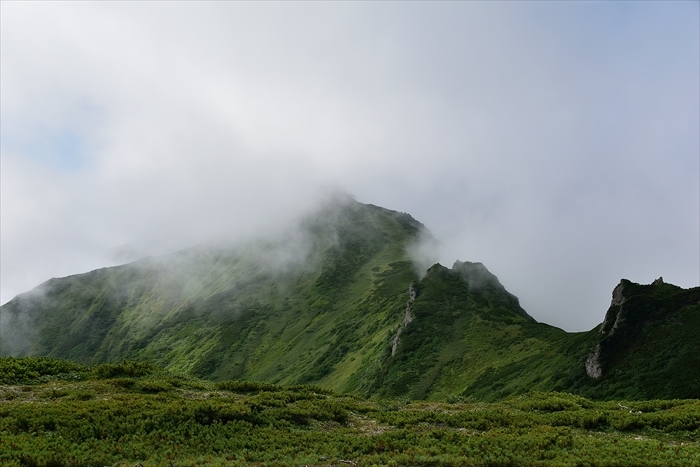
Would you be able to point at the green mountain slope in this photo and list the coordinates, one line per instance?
(338, 302)
(466, 325)
(649, 344)
(315, 306)
(477, 341)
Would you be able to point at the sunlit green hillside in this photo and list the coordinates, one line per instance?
(317, 305)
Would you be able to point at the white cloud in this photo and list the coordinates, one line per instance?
(556, 143)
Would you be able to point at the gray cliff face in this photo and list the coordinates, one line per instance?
(618, 297)
(407, 318)
(614, 313)
(593, 367)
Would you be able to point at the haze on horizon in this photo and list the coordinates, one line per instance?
(558, 143)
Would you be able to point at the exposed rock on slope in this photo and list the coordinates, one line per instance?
(649, 343)
(612, 319)
(407, 318)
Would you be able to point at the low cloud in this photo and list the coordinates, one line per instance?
(427, 251)
(555, 143)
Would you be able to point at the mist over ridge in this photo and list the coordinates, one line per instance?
(556, 143)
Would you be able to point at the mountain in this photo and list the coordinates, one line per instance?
(315, 304)
(649, 342)
(339, 301)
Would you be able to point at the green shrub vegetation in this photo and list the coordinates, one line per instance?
(31, 369)
(136, 414)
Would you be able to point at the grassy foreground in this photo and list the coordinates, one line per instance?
(58, 413)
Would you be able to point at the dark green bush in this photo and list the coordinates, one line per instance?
(28, 369)
(551, 402)
(243, 387)
(125, 368)
(153, 385)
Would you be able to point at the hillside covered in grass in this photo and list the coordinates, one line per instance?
(339, 302)
(57, 412)
(315, 305)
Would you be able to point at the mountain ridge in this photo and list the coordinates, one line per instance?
(339, 302)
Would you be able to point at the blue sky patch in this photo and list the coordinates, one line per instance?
(60, 149)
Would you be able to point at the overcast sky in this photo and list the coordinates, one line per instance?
(556, 142)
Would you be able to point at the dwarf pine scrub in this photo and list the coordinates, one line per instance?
(59, 413)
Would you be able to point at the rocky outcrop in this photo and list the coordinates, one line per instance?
(633, 306)
(407, 318)
(615, 311)
(593, 368)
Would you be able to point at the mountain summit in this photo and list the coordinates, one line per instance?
(338, 301)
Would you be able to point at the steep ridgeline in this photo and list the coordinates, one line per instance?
(465, 328)
(469, 337)
(337, 302)
(317, 306)
(648, 345)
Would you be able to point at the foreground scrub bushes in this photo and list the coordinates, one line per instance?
(27, 369)
(151, 417)
(37, 369)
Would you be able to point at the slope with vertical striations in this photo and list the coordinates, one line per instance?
(315, 305)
